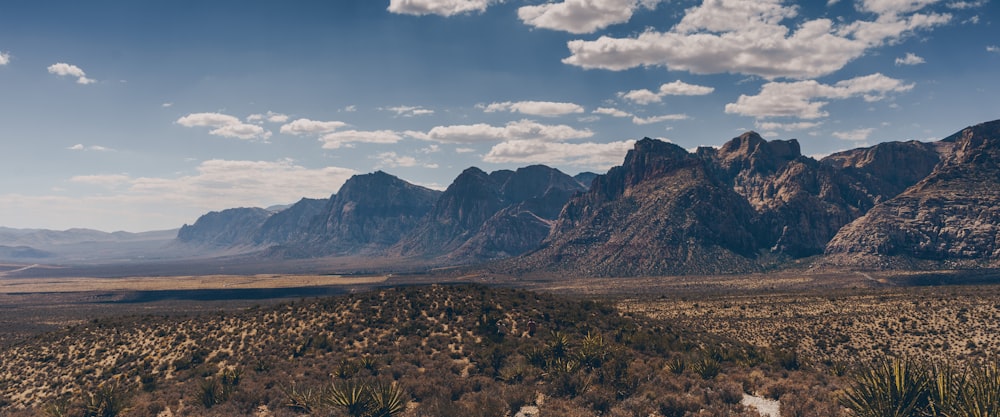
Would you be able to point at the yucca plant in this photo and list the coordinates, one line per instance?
(304, 399)
(354, 396)
(707, 367)
(979, 395)
(889, 387)
(110, 400)
(386, 400)
(677, 364)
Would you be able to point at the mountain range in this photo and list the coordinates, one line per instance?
(750, 205)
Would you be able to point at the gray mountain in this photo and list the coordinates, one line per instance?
(226, 228)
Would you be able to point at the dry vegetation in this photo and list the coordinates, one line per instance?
(955, 323)
(445, 350)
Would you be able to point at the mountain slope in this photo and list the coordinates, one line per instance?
(487, 216)
(370, 213)
(661, 212)
(226, 228)
(950, 218)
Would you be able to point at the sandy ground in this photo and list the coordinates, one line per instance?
(208, 282)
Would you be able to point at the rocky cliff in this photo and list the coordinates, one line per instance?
(226, 228)
(662, 211)
(950, 218)
(487, 216)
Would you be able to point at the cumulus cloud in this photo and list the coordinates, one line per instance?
(910, 59)
(581, 16)
(590, 154)
(608, 111)
(224, 125)
(270, 116)
(4, 58)
(308, 127)
(337, 140)
(806, 99)
(394, 160)
(756, 38)
(676, 88)
(409, 111)
(439, 7)
(68, 70)
(519, 130)
(535, 108)
(855, 135)
(657, 119)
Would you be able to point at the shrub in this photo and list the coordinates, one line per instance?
(889, 387)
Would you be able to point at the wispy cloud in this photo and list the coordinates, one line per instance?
(519, 130)
(439, 7)
(855, 135)
(409, 111)
(676, 88)
(310, 127)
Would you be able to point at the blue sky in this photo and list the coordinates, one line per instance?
(142, 115)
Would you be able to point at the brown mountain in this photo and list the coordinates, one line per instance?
(370, 213)
(663, 211)
(950, 218)
(487, 216)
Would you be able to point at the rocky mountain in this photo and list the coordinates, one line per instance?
(370, 213)
(21, 253)
(291, 224)
(800, 202)
(889, 168)
(486, 216)
(950, 218)
(663, 211)
(226, 228)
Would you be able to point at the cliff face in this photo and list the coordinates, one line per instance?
(486, 216)
(226, 228)
(661, 212)
(369, 214)
(949, 218)
(291, 224)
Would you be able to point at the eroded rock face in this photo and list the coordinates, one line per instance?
(661, 212)
(950, 218)
(291, 224)
(370, 213)
(226, 228)
(487, 216)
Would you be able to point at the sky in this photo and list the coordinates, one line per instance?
(143, 115)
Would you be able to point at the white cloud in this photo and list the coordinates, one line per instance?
(771, 126)
(642, 96)
(894, 7)
(409, 111)
(270, 116)
(581, 16)
(910, 59)
(536, 108)
(224, 125)
(464, 150)
(393, 160)
(612, 112)
(351, 109)
(519, 130)
(676, 88)
(993, 48)
(592, 155)
(754, 38)
(4, 58)
(336, 140)
(307, 127)
(439, 7)
(167, 105)
(657, 119)
(81, 147)
(68, 70)
(156, 203)
(804, 99)
(855, 135)
(962, 5)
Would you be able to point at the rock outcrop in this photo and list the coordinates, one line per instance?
(951, 218)
(226, 228)
(663, 211)
(487, 216)
(291, 224)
